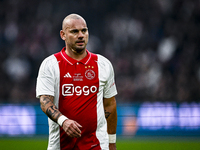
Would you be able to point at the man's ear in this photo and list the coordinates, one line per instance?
(62, 35)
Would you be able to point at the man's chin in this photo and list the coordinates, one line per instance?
(79, 50)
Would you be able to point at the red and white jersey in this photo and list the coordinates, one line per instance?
(78, 88)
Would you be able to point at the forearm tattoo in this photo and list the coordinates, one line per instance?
(107, 114)
(49, 108)
(53, 113)
(45, 99)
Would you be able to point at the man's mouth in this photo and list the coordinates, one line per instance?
(80, 42)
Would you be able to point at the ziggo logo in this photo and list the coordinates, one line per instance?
(70, 89)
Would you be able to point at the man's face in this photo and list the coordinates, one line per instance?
(76, 34)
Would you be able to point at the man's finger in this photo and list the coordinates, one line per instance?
(73, 133)
(77, 127)
(78, 124)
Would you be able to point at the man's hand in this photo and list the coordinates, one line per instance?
(72, 128)
(112, 146)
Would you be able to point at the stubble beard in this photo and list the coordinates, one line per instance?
(77, 50)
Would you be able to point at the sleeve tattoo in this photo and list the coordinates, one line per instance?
(49, 108)
(53, 113)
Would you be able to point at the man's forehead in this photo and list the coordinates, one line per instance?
(74, 23)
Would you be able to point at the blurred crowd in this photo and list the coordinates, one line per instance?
(152, 44)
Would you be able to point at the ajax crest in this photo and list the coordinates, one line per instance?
(89, 74)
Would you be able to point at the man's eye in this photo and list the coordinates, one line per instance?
(74, 31)
(84, 30)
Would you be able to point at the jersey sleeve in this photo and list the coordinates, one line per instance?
(110, 89)
(46, 79)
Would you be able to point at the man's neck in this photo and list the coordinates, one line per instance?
(76, 55)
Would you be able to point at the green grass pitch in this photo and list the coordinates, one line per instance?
(122, 144)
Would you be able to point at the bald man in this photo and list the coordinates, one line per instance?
(77, 92)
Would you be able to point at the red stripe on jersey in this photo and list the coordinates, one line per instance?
(79, 85)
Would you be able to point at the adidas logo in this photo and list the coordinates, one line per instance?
(67, 75)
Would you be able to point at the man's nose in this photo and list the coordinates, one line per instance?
(80, 35)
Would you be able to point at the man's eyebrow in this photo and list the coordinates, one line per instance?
(73, 29)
